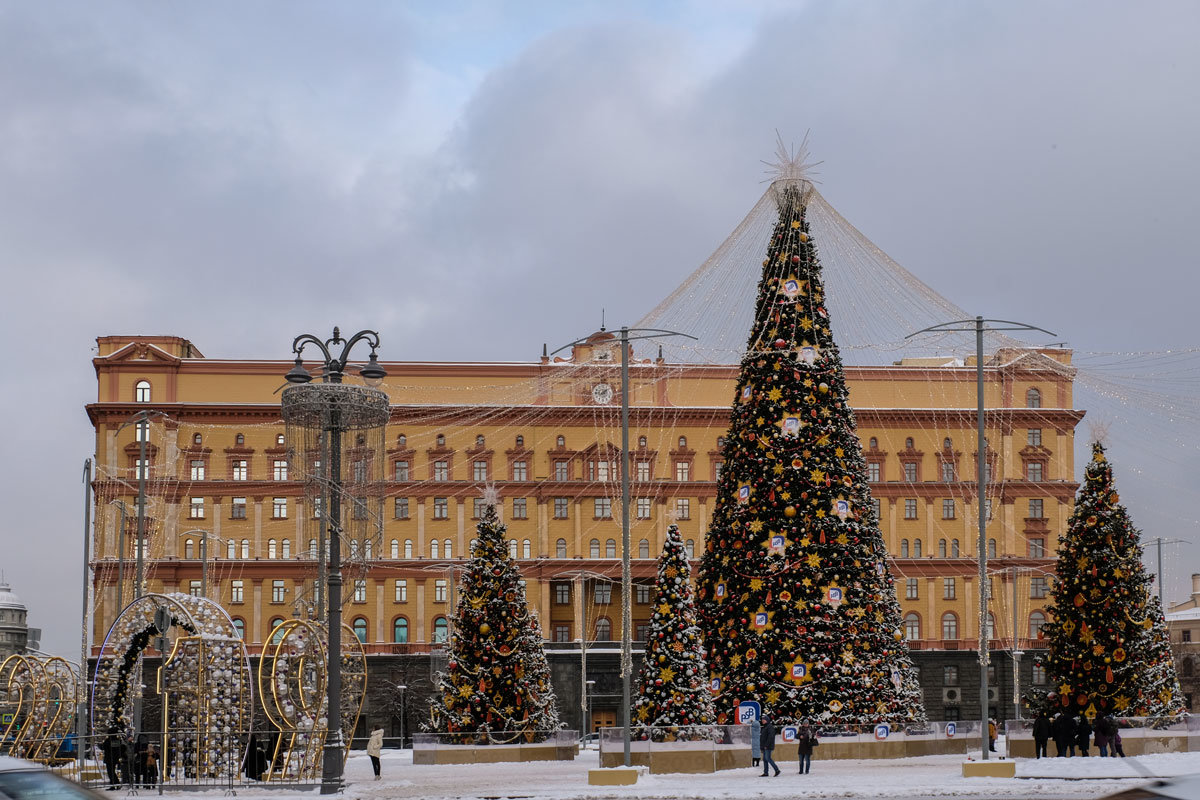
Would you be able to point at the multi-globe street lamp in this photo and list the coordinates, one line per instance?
(332, 408)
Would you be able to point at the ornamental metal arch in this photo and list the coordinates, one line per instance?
(204, 682)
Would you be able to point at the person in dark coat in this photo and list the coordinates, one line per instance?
(1101, 738)
(766, 743)
(1083, 734)
(1063, 731)
(112, 757)
(1112, 732)
(806, 740)
(1041, 734)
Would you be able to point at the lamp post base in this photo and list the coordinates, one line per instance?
(331, 768)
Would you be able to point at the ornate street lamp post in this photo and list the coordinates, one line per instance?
(332, 408)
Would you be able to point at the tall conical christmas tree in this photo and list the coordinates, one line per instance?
(1101, 654)
(496, 687)
(673, 692)
(1163, 689)
(796, 598)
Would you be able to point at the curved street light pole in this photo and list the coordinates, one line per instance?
(979, 325)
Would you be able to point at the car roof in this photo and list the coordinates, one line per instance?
(10, 764)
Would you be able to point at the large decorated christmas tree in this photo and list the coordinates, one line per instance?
(673, 692)
(796, 598)
(496, 688)
(1103, 655)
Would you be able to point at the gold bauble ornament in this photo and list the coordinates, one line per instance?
(790, 511)
(485, 629)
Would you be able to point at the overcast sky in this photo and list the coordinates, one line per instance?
(237, 173)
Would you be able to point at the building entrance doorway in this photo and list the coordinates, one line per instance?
(603, 719)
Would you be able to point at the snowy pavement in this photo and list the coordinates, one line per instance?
(926, 777)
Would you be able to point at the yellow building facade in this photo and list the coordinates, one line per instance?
(548, 440)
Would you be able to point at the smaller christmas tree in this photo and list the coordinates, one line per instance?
(1164, 698)
(673, 691)
(496, 688)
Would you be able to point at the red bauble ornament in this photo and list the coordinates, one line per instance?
(780, 344)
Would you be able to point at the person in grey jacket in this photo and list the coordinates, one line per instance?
(755, 750)
(766, 742)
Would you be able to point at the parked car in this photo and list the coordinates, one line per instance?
(25, 779)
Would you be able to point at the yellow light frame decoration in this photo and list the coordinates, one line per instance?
(37, 700)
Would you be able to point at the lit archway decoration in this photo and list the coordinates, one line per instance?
(21, 678)
(292, 680)
(205, 683)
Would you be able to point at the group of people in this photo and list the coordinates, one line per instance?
(762, 745)
(1071, 734)
(130, 763)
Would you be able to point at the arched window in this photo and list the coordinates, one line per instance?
(279, 440)
(231, 549)
(561, 441)
(520, 441)
(441, 440)
(285, 548)
(908, 443)
(610, 548)
(367, 549)
(441, 629)
(560, 548)
(408, 547)
(197, 438)
(239, 625)
(991, 626)
(401, 440)
(245, 548)
(434, 546)
(947, 444)
(272, 548)
(949, 626)
(239, 440)
(904, 548)
(912, 626)
(360, 629)
(512, 548)
(689, 547)
(954, 548)
(644, 548)
(1036, 620)
(141, 392)
(916, 548)
(720, 442)
(941, 548)
(189, 549)
(682, 442)
(641, 441)
(400, 630)
(594, 548)
(312, 549)
(395, 548)
(872, 443)
(991, 548)
(446, 549)
(1033, 399)
(479, 440)
(526, 549)
(354, 548)
(276, 631)
(603, 630)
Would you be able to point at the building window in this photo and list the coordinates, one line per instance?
(1036, 508)
(441, 471)
(683, 471)
(245, 548)
(401, 470)
(1037, 587)
(603, 593)
(441, 630)
(991, 548)
(910, 509)
(949, 626)
(562, 633)
(641, 632)
(197, 467)
(950, 673)
(196, 508)
(600, 470)
(359, 507)
(400, 630)
(562, 593)
(560, 441)
(439, 590)
(1033, 399)
(643, 593)
(1037, 547)
(239, 625)
(911, 588)
(526, 549)
(644, 548)
(194, 588)
(141, 392)
(477, 506)
(520, 441)
(400, 508)
(1033, 437)
(1039, 675)
(278, 592)
(875, 507)
(360, 591)
(1033, 471)
(904, 548)
(954, 548)
(1186, 635)
(610, 548)
(873, 471)
(272, 548)
(360, 629)
(560, 508)
(237, 508)
(603, 630)
(279, 508)
(941, 548)
(560, 548)
(912, 627)
(279, 470)
(1036, 620)
(916, 548)
(949, 589)
(948, 471)
(285, 548)
(520, 471)
(141, 469)
(240, 470)
(408, 548)
(561, 471)
(440, 440)
(642, 471)
(683, 508)
(643, 508)
(689, 547)
(594, 548)
(141, 431)
(910, 471)
(520, 508)
(480, 471)
(237, 591)
(434, 547)
(395, 550)
(441, 508)
(402, 591)
(603, 507)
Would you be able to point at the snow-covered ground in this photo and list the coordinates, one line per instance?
(931, 776)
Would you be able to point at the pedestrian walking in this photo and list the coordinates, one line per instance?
(375, 748)
(1041, 734)
(1101, 738)
(766, 743)
(1063, 731)
(755, 750)
(1112, 732)
(1083, 734)
(151, 773)
(806, 740)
